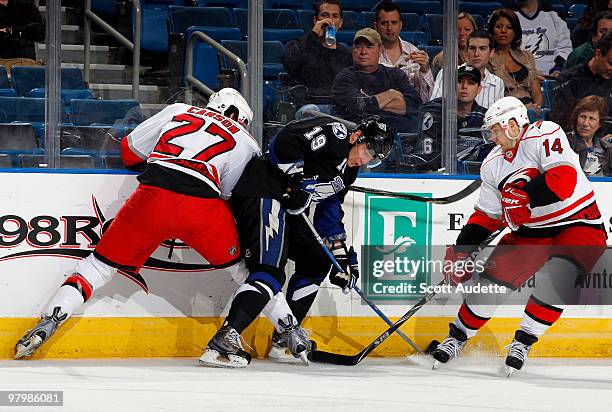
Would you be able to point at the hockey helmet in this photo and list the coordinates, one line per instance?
(230, 102)
(501, 112)
(377, 136)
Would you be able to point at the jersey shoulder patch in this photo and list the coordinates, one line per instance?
(339, 130)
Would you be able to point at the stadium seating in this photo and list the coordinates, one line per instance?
(571, 23)
(420, 7)
(105, 6)
(418, 38)
(17, 139)
(87, 112)
(351, 20)
(282, 19)
(65, 161)
(432, 51)
(576, 10)
(288, 4)
(436, 31)
(22, 109)
(560, 9)
(305, 17)
(154, 30)
(5, 86)
(283, 35)
(358, 5)
(26, 79)
(483, 8)
(181, 18)
(243, 4)
(272, 54)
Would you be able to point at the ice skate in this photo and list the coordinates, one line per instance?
(450, 347)
(518, 351)
(225, 350)
(291, 343)
(279, 352)
(35, 337)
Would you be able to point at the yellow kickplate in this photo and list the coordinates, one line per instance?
(187, 337)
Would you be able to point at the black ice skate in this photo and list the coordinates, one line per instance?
(450, 347)
(292, 343)
(225, 350)
(518, 351)
(35, 337)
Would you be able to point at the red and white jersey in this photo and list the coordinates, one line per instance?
(198, 142)
(543, 147)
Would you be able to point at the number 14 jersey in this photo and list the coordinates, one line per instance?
(190, 150)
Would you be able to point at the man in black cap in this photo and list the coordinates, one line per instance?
(470, 146)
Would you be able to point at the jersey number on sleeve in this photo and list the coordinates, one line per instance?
(556, 146)
(192, 124)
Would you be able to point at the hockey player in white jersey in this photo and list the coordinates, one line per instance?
(192, 159)
(532, 182)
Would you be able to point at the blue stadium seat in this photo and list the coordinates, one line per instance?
(105, 6)
(560, 9)
(432, 51)
(345, 36)
(420, 7)
(358, 5)
(272, 54)
(287, 4)
(351, 20)
(181, 18)
(480, 21)
(206, 59)
(436, 31)
(154, 31)
(368, 18)
(4, 81)
(283, 19)
(571, 23)
(418, 38)
(576, 10)
(305, 17)
(17, 139)
(87, 112)
(22, 109)
(26, 78)
(283, 35)
(483, 8)
(233, 4)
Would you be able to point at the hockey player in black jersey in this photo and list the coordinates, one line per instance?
(309, 161)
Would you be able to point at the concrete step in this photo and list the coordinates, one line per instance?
(71, 34)
(67, 17)
(73, 53)
(108, 73)
(147, 94)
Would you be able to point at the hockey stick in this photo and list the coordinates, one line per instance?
(366, 300)
(468, 190)
(351, 360)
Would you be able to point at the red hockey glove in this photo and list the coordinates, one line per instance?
(458, 266)
(515, 206)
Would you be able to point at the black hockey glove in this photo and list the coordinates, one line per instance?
(299, 194)
(347, 259)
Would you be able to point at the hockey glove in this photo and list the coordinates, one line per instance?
(458, 266)
(515, 206)
(347, 259)
(299, 194)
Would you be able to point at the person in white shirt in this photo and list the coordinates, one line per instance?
(545, 35)
(480, 49)
(400, 53)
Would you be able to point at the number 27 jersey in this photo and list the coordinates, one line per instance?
(191, 150)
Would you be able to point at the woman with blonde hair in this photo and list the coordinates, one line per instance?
(465, 26)
(513, 64)
(594, 151)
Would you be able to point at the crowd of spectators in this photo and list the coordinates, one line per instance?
(21, 24)
(526, 50)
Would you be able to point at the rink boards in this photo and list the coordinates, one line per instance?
(50, 220)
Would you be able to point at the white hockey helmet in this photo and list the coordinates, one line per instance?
(230, 102)
(501, 112)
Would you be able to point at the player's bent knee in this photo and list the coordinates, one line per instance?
(94, 271)
(272, 279)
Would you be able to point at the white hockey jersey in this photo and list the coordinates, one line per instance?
(197, 142)
(546, 36)
(542, 147)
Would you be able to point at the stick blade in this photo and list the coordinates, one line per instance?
(320, 356)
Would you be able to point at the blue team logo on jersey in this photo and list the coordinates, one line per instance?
(339, 130)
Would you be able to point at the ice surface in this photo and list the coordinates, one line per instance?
(473, 383)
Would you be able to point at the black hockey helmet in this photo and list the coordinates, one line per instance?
(377, 136)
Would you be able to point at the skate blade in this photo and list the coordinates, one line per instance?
(213, 358)
(436, 364)
(22, 349)
(282, 355)
(510, 371)
(304, 357)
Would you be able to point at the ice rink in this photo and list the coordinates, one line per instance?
(409, 384)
